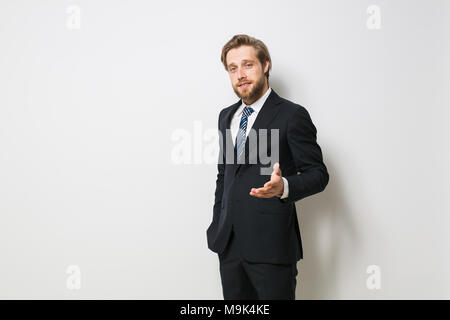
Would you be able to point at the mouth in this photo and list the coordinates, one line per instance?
(244, 85)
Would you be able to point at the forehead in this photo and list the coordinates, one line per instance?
(237, 55)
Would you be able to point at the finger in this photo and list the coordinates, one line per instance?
(261, 191)
(258, 192)
(263, 195)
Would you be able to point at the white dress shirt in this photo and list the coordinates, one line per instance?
(236, 120)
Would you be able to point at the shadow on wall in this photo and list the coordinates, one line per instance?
(325, 229)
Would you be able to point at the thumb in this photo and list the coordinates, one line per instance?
(276, 169)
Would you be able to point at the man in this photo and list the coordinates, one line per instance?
(255, 229)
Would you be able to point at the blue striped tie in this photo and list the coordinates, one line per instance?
(241, 136)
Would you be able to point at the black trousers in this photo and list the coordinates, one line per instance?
(244, 280)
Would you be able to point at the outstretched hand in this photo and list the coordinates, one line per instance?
(274, 187)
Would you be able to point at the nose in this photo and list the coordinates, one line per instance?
(241, 73)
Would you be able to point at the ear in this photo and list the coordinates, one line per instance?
(266, 66)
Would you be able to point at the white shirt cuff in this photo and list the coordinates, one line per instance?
(286, 188)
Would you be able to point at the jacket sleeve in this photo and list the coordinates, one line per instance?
(312, 175)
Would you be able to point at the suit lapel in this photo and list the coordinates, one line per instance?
(267, 113)
(225, 123)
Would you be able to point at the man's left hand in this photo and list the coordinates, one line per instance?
(274, 187)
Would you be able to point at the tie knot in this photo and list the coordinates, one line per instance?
(248, 111)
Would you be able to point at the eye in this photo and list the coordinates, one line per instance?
(248, 64)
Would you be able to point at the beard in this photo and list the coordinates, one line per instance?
(254, 93)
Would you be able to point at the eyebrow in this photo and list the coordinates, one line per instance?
(245, 60)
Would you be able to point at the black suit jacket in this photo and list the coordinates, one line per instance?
(267, 229)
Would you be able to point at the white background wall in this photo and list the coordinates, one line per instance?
(87, 118)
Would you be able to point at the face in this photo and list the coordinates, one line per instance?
(246, 73)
